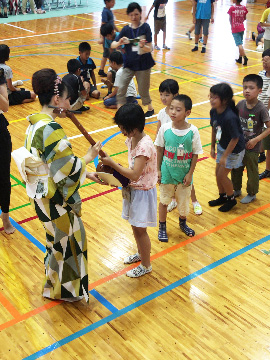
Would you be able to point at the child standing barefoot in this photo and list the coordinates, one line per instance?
(226, 128)
(140, 202)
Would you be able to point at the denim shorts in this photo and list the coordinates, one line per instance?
(234, 161)
(238, 38)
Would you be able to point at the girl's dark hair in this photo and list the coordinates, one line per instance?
(170, 86)
(4, 53)
(225, 93)
(133, 6)
(44, 83)
(130, 117)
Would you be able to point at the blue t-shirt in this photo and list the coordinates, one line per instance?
(132, 59)
(231, 128)
(107, 16)
(86, 69)
(203, 10)
(108, 43)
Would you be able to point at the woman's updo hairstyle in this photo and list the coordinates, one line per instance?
(47, 84)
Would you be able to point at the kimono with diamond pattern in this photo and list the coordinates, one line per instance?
(59, 210)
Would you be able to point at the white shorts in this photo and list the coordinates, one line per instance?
(141, 210)
(181, 193)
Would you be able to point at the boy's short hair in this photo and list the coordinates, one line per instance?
(186, 100)
(117, 57)
(130, 117)
(266, 53)
(106, 29)
(254, 78)
(4, 53)
(84, 46)
(170, 86)
(73, 65)
(105, 1)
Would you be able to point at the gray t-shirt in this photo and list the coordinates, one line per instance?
(252, 120)
(8, 73)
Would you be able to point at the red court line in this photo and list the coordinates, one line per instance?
(124, 270)
(9, 307)
(30, 314)
(99, 108)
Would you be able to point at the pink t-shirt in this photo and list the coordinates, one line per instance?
(149, 176)
(238, 16)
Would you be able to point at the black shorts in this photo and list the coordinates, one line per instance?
(17, 97)
(92, 88)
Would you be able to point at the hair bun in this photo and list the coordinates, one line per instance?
(43, 81)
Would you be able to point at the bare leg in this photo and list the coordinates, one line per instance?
(8, 227)
(143, 243)
(205, 38)
(223, 182)
(164, 37)
(155, 39)
(162, 212)
(193, 195)
(103, 63)
(241, 50)
(191, 28)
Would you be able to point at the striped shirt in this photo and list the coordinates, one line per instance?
(263, 96)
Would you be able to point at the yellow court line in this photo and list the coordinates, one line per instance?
(13, 121)
(80, 17)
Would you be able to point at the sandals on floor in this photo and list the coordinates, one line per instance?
(186, 229)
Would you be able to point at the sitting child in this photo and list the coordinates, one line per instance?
(87, 70)
(15, 96)
(116, 63)
(74, 81)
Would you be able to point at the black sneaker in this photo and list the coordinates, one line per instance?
(102, 73)
(5, 15)
(253, 36)
(203, 50)
(261, 157)
(239, 60)
(149, 113)
(219, 201)
(195, 49)
(228, 205)
(264, 174)
(84, 108)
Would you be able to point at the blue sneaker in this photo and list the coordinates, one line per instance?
(162, 233)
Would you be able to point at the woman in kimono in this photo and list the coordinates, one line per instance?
(55, 195)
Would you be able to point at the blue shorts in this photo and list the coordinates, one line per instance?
(233, 160)
(238, 38)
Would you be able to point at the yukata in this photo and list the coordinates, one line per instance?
(58, 206)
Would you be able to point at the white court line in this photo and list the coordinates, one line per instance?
(19, 28)
(58, 32)
(150, 117)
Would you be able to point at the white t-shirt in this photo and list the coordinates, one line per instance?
(164, 118)
(8, 74)
(266, 18)
(131, 90)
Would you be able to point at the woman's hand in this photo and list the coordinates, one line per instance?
(92, 152)
(123, 41)
(94, 177)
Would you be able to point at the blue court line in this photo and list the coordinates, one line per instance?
(27, 235)
(144, 300)
(194, 72)
(103, 301)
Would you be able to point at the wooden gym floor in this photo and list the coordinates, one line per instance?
(208, 296)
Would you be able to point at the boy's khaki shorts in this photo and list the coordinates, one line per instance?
(181, 193)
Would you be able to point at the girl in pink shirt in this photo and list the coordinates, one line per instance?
(140, 199)
(237, 15)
